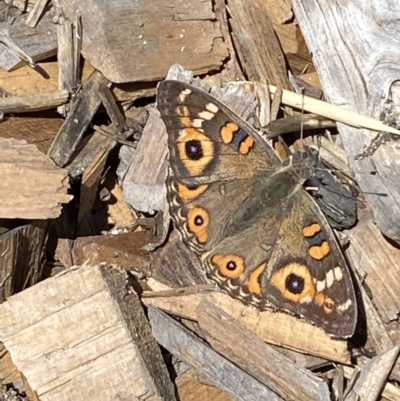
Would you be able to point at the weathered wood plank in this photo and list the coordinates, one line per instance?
(255, 357)
(194, 352)
(94, 335)
(84, 108)
(39, 43)
(183, 32)
(37, 102)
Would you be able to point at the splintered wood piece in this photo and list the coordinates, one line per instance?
(257, 358)
(353, 75)
(32, 187)
(22, 250)
(216, 369)
(39, 43)
(93, 334)
(182, 32)
(373, 376)
(258, 47)
(120, 214)
(35, 13)
(37, 102)
(85, 106)
(272, 327)
(377, 261)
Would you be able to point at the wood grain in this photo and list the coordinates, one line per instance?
(32, 187)
(159, 35)
(92, 332)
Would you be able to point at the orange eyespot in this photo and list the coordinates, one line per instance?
(198, 220)
(231, 266)
(195, 150)
(295, 282)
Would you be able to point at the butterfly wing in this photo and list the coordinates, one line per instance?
(259, 235)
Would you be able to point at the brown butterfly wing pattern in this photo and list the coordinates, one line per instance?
(260, 236)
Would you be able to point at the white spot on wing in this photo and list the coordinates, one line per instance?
(329, 278)
(206, 115)
(345, 306)
(197, 122)
(320, 285)
(337, 272)
(212, 107)
(183, 94)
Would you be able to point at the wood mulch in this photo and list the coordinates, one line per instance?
(99, 297)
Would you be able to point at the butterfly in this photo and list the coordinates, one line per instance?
(258, 233)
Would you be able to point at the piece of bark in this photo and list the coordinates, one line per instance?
(353, 75)
(84, 108)
(256, 42)
(39, 43)
(272, 327)
(37, 102)
(32, 187)
(216, 369)
(373, 376)
(22, 250)
(93, 334)
(190, 388)
(258, 359)
(182, 32)
(377, 262)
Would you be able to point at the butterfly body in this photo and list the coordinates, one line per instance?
(259, 235)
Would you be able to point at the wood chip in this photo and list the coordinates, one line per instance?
(91, 332)
(194, 352)
(255, 357)
(32, 187)
(180, 32)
